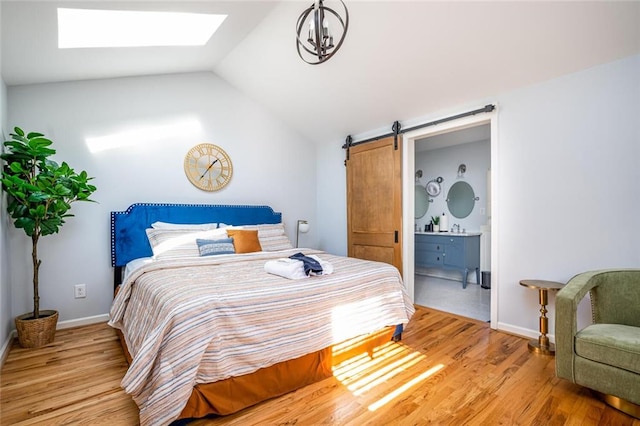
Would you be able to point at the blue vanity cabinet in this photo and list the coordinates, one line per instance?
(428, 252)
(453, 251)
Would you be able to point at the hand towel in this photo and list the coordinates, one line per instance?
(310, 264)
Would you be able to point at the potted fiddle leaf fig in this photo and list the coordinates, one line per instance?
(40, 193)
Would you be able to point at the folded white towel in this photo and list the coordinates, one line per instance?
(288, 268)
(294, 269)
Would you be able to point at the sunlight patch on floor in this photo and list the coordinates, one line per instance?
(386, 373)
(405, 387)
(362, 365)
(363, 373)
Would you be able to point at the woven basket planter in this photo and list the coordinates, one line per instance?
(33, 333)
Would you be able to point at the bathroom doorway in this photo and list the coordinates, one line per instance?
(455, 170)
(469, 142)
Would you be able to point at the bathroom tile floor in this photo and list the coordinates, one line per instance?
(449, 296)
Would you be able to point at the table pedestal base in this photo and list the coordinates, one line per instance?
(537, 348)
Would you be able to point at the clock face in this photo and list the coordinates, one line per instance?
(208, 167)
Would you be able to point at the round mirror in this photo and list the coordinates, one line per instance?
(461, 199)
(422, 201)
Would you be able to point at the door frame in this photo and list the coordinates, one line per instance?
(408, 198)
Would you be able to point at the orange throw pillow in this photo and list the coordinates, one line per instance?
(245, 241)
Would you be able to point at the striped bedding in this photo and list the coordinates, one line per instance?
(198, 320)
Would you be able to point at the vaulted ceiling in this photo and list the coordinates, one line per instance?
(400, 59)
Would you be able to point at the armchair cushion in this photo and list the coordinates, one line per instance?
(606, 342)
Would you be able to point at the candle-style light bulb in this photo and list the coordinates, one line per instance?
(312, 30)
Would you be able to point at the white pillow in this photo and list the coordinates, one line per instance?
(179, 242)
(185, 226)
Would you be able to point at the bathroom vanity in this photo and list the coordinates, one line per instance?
(449, 250)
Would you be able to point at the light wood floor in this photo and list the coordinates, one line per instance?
(447, 370)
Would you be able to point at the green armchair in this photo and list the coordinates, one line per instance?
(605, 355)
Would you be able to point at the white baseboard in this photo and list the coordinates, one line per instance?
(6, 347)
(82, 321)
(523, 332)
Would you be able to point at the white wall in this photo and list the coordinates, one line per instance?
(331, 199)
(444, 162)
(149, 168)
(567, 181)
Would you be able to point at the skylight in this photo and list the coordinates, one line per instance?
(79, 28)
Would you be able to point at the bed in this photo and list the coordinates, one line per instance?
(207, 330)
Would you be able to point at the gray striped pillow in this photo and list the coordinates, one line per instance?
(215, 247)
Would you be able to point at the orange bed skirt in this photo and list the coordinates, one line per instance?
(234, 394)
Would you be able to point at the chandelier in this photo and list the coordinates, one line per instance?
(315, 41)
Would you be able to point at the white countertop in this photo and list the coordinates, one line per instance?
(450, 234)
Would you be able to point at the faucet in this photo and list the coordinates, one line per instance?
(455, 227)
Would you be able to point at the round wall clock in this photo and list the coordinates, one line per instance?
(208, 167)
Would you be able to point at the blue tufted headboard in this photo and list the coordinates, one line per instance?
(129, 239)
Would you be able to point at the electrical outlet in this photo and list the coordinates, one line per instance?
(482, 211)
(80, 291)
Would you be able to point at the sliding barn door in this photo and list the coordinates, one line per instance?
(374, 201)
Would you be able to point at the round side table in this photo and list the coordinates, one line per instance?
(541, 345)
